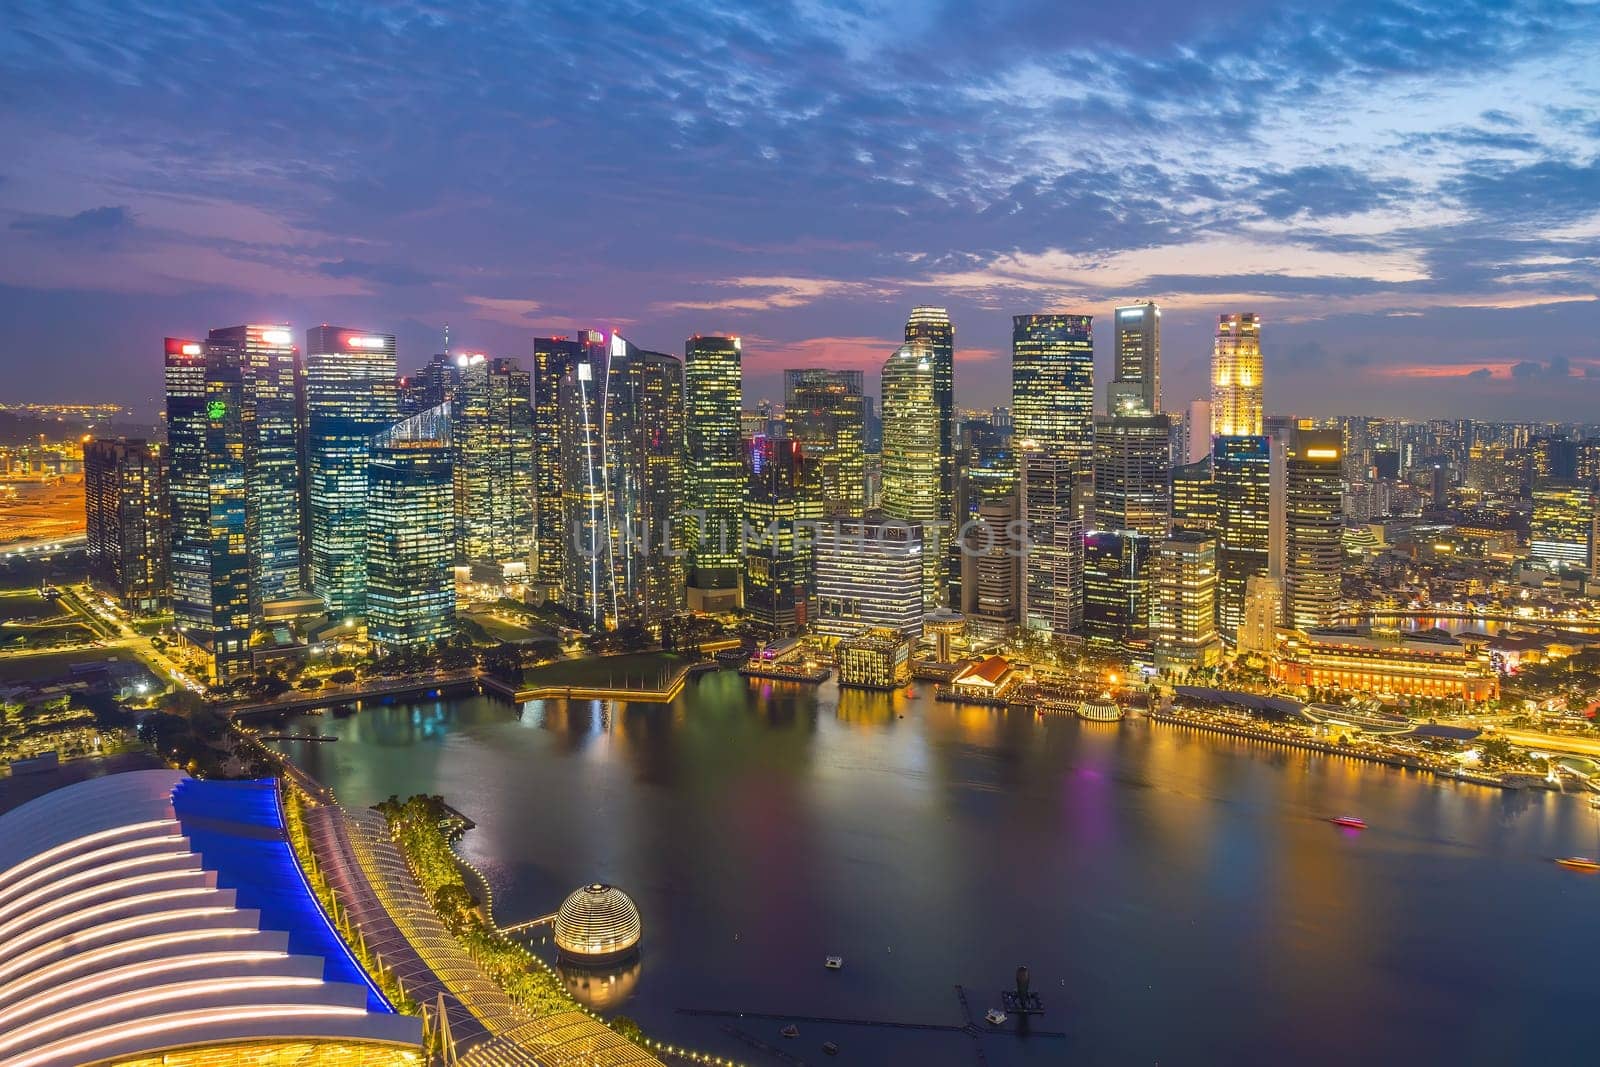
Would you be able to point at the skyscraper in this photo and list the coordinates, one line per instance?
(911, 460)
(931, 328)
(491, 436)
(125, 522)
(1562, 533)
(1242, 468)
(1117, 583)
(826, 413)
(210, 558)
(1136, 387)
(1052, 384)
(410, 530)
(1194, 497)
(1313, 527)
(350, 397)
(991, 561)
(1236, 377)
(1184, 606)
(714, 475)
(783, 498)
(1197, 431)
(271, 390)
(869, 574)
(1052, 567)
(1132, 474)
(430, 385)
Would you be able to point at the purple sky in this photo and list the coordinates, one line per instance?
(1409, 193)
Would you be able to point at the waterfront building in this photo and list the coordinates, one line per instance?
(157, 919)
(784, 503)
(1136, 385)
(991, 568)
(1117, 587)
(1194, 497)
(1052, 566)
(1262, 615)
(597, 924)
(410, 530)
(911, 460)
(1563, 530)
(879, 658)
(825, 410)
(648, 423)
(350, 397)
(1242, 469)
(1236, 377)
(209, 557)
(930, 329)
(492, 438)
(714, 475)
(1133, 473)
(125, 522)
(1313, 527)
(1183, 608)
(869, 574)
(1366, 661)
(1052, 384)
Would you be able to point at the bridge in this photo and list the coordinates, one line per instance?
(529, 924)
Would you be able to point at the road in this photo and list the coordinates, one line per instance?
(1573, 745)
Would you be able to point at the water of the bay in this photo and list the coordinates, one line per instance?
(1179, 897)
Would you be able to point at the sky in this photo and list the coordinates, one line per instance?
(1408, 193)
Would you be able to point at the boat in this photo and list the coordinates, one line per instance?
(830, 1048)
(1350, 822)
(994, 1016)
(1579, 863)
(911, 692)
(833, 963)
(790, 1031)
(1594, 802)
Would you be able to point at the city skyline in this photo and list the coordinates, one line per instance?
(1406, 199)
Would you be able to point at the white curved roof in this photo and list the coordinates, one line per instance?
(116, 938)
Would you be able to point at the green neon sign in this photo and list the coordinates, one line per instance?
(216, 409)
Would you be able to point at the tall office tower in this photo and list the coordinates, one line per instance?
(1052, 383)
(826, 413)
(491, 435)
(125, 520)
(1183, 610)
(1553, 457)
(1262, 614)
(271, 381)
(1313, 527)
(869, 574)
(1562, 532)
(432, 384)
(1242, 468)
(911, 461)
(1236, 377)
(714, 470)
(1136, 387)
(350, 398)
(1133, 474)
(991, 562)
(1588, 461)
(783, 500)
(930, 328)
(986, 467)
(410, 529)
(1197, 431)
(1052, 567)
(551, 358)
(1194, 498)
(209, 555)
(1117, 583)
(620, 432)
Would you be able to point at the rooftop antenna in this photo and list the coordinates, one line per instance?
(447, 340)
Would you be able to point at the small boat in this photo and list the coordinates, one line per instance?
(994, 1016)
(833, 963)
(1349, 822)
(911, 692)
(830, 1048)
(1579, 863)
(790, 1031)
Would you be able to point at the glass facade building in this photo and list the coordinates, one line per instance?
(1313, 527)
(125, 521)
(1183, 611)
(911, 461)
(1117, 587)
(492, 438)
(714, 473)
(1052, 384)
(1136, 382)
(1242, 468)
(410, 530)
(869, 575)
(1236, 376)
(826, 413)
(1133, 473)
(1052, 567)
(784, 500)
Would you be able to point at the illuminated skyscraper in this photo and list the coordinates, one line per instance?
(714, 474)
(1236, 377)
(911, 457)
(1184, 606)
(1242, 468)
(410, 530)
(350, 397)
(210, 556)
(991, 561)
(432, 384)
(1052, 384)
(271, 388)
(1052, 567)
(869, 574)
(552, 356)
(1117, 584)
(826, 413)
(125, 513)
(1313, 527)
(1194, 498)
(783, 497)
(930, 327)
(491, 436)
(1136, 387)
(1563, 529)
(1133, 474)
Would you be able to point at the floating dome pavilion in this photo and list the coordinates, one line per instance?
(597, 924)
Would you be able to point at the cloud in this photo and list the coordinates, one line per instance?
(767, 294)
(383, 273)
(1324, 189)
(96, 222)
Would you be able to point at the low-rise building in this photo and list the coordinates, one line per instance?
(877, 659)
(1363, 660)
